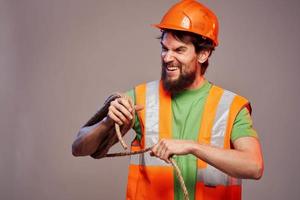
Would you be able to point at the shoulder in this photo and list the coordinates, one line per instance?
(227, 92)
(235, 100)
(140, 89)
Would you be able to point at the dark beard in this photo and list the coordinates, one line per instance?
(184, 80)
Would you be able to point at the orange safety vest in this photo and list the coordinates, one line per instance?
(151, 178)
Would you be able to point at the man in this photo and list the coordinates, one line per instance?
(207, 129)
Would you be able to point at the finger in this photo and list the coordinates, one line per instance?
(116, 104)
(154, 150)
(158, 150)
(166, 156)
(164, 152)
(138, 107)
(112, 116)
(161, 150)
(119, 115)
(130, 102)
(126, 104)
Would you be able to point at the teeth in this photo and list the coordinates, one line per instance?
(172, 68)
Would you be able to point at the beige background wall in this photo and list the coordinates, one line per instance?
(59, 59)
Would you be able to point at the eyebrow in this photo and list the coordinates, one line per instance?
(177, 49)
(180, 48)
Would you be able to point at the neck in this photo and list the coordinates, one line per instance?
(199, 81)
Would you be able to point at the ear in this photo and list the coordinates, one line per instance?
(203, 56)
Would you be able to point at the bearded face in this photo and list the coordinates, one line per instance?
(186, 76)
(180, 65)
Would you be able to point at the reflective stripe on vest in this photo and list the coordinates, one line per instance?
(209, 175)
(151, 127)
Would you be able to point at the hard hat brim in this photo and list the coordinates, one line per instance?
(178, 28)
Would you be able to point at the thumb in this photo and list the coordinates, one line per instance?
(138, 107)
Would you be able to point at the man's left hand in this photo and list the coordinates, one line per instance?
(166, 148)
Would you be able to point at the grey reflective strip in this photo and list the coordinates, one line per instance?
(151, 127)
(221, 118)
(152, 112)
(211, 176)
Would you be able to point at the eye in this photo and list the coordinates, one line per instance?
(180, 50)
(164, 49)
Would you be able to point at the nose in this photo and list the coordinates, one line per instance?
(167, 56)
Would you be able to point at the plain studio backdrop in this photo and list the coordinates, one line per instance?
(60, 59)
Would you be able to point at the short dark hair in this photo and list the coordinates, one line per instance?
(200, 43)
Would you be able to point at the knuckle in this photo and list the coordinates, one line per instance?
(122, 100)
(125, 100)
(113, 107)
(113, 102)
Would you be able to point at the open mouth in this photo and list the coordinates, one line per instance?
(172, 68)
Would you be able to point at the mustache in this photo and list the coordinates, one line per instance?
(171, 64)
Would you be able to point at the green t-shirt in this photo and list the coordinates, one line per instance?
(186, 124)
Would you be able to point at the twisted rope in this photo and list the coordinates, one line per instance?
(177, 170)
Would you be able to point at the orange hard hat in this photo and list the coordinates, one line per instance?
(191, 16)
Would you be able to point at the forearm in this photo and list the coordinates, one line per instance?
(244, 161)
(89, 138)
(237, 163)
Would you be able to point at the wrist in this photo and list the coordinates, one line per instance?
(193, 147)
(108, 122)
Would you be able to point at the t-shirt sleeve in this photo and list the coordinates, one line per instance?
(243, 126)
(136, 127)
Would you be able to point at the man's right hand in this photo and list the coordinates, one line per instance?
(121, 111)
